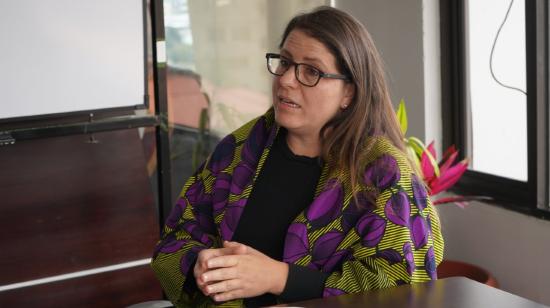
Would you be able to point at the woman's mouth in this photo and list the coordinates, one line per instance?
(287, 103)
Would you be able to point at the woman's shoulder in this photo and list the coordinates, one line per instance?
(385, 166)
(251, 136)
(381, 147)
(261, 124)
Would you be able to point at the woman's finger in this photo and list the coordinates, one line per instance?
(226, 296)
(237, 247)
(223, 286)
(219, 274)
(208, 254)
(223, 261)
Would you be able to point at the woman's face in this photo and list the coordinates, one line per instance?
(304, 110)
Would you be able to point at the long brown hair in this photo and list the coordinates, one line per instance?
(345, 137)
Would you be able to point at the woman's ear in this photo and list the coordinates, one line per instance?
(349, 93)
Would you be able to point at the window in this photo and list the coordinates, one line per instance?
(495, 93)
(216, 63)
(495, 79)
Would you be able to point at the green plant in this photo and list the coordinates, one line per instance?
(438, 176)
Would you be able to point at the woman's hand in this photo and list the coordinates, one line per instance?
(247, 274)
(201, 266)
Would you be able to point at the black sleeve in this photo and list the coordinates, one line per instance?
(303, 283)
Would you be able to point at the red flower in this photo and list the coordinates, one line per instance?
(449, 171)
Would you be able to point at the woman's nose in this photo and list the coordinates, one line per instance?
(289, 77)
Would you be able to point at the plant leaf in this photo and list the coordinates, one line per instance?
(428, 169)
(450, 150)
(446, 164)
(449, 178)
(432, 150)
(413, 156)
(402, 117)
(417, 145)
(420, 149)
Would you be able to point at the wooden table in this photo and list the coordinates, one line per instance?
(454, 292)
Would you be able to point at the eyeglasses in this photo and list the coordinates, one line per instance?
(306, 74)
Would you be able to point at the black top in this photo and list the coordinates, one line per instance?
(284, 188)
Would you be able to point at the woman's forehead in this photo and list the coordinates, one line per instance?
(302, 47)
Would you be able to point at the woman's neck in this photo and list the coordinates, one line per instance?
(309, 146)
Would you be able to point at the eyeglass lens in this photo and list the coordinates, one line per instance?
(305, 74)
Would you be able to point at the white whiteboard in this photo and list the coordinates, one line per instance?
(59, 56)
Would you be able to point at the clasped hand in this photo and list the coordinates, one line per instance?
(238, 271)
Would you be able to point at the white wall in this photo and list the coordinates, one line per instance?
(396, 27)
(512, 246)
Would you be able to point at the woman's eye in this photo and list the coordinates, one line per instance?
(312, 71)
(284, 63)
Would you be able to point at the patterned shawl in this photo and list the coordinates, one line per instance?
(393, 239)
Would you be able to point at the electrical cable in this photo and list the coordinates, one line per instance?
(493, 50)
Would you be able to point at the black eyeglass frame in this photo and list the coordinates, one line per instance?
(296, 64)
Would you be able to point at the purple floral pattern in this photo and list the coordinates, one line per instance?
(353, 211)
(393, 225)
(231, 219)
(193, 228)
(242, 176)
(371, 228)
(419, 231)
(177, 211)
(327, 206)
(398, 208)
(325, 246)
(420, 195)
(332, 292)
(223, 155)
(196, 195)
(296, 243)
(189, 258)
(335, 261)
(220, 193)
(390, 255)
(409, 257)
(254, 145)
(429, 264)
(173, 246)
(382, 173)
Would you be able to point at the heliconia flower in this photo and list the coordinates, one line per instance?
(427, 165)
(448, 178)
(440, 176)
(449, 172)
(448, 158)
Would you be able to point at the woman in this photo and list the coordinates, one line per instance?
(314, 198)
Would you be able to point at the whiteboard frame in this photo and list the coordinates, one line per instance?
(74, 116)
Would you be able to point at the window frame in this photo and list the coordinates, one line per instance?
(531, 197)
